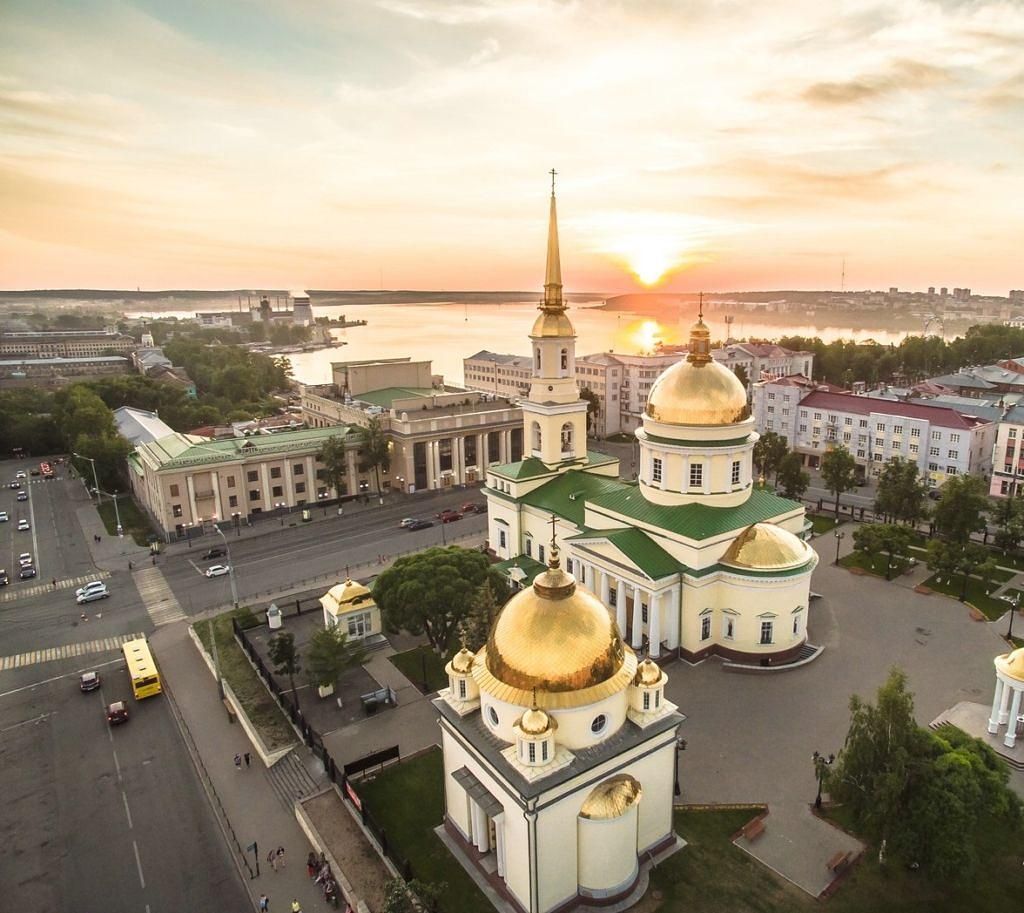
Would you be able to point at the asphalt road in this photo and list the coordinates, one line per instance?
(97, 817)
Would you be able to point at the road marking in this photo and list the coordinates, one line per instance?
(127, 811)
(66, 584)
(162, 607)
(35, 538)
(103, 645)
(138, 864)
(35, 719)
(57, 678)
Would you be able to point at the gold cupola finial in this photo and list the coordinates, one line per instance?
(553, 302)
(554, 583)
(700, 338)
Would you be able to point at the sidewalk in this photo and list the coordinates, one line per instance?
(249, 797)
(111, 553)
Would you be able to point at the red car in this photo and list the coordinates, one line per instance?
(471, 507)
(117, 713)
(449, 516)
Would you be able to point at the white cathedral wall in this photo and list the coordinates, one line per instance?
(499, 510)
(574, 725)
(557, 874)
(607, 852)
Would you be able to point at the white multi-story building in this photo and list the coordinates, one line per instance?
(1008, 456)
(764, 360)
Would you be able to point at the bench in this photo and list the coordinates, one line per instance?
(754, 829)
(838, 862)
(229, 709)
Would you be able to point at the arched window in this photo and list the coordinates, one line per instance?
(565, 359)
(537, 359)
(567, 438)
(536, 436)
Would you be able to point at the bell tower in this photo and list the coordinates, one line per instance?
(554, 416)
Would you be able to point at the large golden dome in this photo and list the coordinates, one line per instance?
(1012, 664)
(558, 641)
(697, 394)
(767, 547)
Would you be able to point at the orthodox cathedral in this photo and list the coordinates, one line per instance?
(559, 743)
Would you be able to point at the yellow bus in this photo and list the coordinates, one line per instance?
(141, 668)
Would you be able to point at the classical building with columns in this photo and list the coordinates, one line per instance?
(695, 557)
(1007, 709)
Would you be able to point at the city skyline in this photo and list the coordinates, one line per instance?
(405, 144)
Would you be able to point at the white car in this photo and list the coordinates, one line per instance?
(25, 559)
(20, 474)
(90, 586)
(218, 570)
(3, 516)
(92, 595)
(407, 522)
(24, 525)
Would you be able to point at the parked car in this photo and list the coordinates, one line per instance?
(117, 713)
(4, 579)
(420, 524)
(89, 681)
(3, 516)
(935, 494)
(22, 495)
(218, 551)
(24, 525)
(407, 522)
(472, 507)
(27, 572)
(25, 558)
(217, 570)
(449, 515)
(92, 595)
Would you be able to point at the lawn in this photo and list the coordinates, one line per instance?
(407, 801)
(976, 595)
(134, 522)
(412, 663)
(821, 524)
(874, 564)
(253, 695)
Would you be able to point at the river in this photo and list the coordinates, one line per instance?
(447, 333)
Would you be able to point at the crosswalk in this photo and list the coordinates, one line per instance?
(157, 597)
(10, 594)
(50, 654)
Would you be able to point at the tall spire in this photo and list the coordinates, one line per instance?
(700, 339)
(553, 270)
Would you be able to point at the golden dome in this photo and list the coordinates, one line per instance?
(556, 639)
(553, 322)
(766, 547)
(462, 661)
(612, 798)
(535, 722)
(1012, 664)
(647, 673)
(702, 393)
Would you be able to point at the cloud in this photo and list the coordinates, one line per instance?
(900, 76)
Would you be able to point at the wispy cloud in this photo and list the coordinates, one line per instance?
(901, 76)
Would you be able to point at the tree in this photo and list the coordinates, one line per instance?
(949, 558)
(593, 408)
(329, 654)
(333, 455)
(374, 449)
(414, 897)
(285, 658)
(901, 492)
(961, 508)
(839, 472)
(742, 375)
(924, 793)
(883, 539)
(1008, 515)
(482, 613)
(791, 476)
(769, 452)
(432, 591)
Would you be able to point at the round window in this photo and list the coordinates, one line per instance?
(600, 721)
(492, 715)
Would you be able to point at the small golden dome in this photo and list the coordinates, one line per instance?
(553, 322)
(462, 661)
(647, 673)
(701, 393)
(343, 597)
(558, 640)
(612, 798)
(1012, 664)
(767, 547)
(535, 722)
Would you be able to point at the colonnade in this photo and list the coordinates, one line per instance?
(457, 475)
(1006, 708)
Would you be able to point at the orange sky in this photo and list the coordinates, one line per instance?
(292, 143)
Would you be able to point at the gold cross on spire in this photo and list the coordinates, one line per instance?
(700, 306)
(552, 172)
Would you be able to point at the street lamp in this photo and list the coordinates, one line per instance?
(839, 538)
(95, 480)
(231, 566)
(821, 765)
(236, 518)
(680, 748)
(117, 517)
(1014, 602)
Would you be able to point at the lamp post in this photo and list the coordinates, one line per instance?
(236, 518)
(821, 765)
(117, 517)
(1014, 602)
(680, 748)
(231, 566)
(839, 538)
(95, 479)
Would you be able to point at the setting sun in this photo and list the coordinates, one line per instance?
(647, 335)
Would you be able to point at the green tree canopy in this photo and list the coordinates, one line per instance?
(839, 472)
(285, 657)
(433, 591)
(961, 508)
(900, 496)
(791, 477)
(374, 449)
(1008, 515)
(333, 455)
(883, 539)
(482, 613)
(593, 405)
(330, 653)
(769, 452)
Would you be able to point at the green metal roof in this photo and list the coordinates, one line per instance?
(386, 396)
(731, 442)
(639, 548)
(180, 451)
(566, 494)
(529, 566)
(532, 468)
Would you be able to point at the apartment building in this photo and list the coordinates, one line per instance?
(65, 344)
(1008, 456)
(56, 372)
(507, 376)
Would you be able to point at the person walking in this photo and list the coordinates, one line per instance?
(272, 859)
(264, 903)
(248, 760)
(296, 908)
(280, 856)
(311, 864)
(238, 761)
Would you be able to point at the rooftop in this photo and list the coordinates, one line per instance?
(84, 360)
(388, 395)
(138, 426)
(942, 416)
(498, 358)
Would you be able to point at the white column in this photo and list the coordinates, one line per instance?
(191, 489)
(481, 452)
(352, 470)
(460, 459)
(1011, 728)
(605, 588)
(311, 482)
(655, 624)
(997, 699)
(1005, 703)
(434, 465)
(289, 483)
(499, 847)
(636, 641)
(673, 618)
(620, 607)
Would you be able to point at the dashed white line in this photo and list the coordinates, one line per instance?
(127, 811)
(35, 719)
(138, 865)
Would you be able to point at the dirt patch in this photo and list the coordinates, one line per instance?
(346, 842)
(923, 590)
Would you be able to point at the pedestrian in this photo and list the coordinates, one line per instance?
(129, 565)
(264, 903)
(295, 906)
(272, 860)
(53, 583)
(238, 761)
(154, 561)
(280, 856)
(248, 760)
(311, 864)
